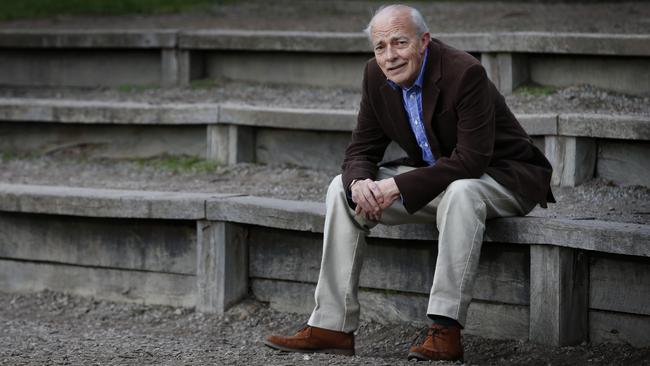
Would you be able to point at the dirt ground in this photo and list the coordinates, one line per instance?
(352, 16)
(50, 328)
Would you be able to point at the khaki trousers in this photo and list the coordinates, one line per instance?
(459, 213)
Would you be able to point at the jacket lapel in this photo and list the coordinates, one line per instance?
(400, 124)
(430, 93)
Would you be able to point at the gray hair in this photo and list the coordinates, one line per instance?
(420, 25)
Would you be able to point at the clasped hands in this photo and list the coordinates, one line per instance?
(372, 197)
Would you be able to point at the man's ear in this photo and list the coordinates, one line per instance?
(425, 39)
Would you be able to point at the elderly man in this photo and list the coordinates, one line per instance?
(468, 160)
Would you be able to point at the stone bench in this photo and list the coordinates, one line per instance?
(89, 58)
(579, 146)
(554, 281)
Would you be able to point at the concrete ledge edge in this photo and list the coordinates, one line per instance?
(628, 127)
(336, 42)
(603, 236)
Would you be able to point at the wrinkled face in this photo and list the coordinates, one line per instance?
(398, 49)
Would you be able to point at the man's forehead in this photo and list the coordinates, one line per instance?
(393, 25)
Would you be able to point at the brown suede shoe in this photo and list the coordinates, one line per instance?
(442, 344)
(314, 340)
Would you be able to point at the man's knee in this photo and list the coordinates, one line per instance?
(462, 193)
(463, 187)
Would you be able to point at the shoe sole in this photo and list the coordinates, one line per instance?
(420, 357)
(334, 351)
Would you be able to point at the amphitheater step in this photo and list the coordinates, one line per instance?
(579, 145)
(619, 62)
(52, 236)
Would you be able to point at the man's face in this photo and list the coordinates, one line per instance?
(398, 49)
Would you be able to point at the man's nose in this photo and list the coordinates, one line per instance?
(390, 53)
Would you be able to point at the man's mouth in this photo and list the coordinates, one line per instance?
(397, 67)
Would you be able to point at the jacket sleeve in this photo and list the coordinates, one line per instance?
(368, 142)
(475, 133)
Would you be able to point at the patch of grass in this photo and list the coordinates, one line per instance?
(203, 84)
(9, 156)
(540, 90)
(132, 88)
(180, 164)
(46, 8)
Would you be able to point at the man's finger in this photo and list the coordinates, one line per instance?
(370, 199)
(376, 192)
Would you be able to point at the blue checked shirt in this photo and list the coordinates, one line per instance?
(412, 100)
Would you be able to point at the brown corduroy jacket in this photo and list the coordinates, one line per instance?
(471, 131)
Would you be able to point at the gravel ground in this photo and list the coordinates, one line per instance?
(574, 99)
(58, 329)
(352, 16)
(597, 199)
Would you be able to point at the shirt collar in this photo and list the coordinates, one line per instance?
(418, 81)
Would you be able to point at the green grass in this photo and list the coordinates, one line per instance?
(536, 90)
(203, 84)
(9, 156)
(180, 164)
(17, 9)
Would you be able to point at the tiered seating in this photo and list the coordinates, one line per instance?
(556, 281)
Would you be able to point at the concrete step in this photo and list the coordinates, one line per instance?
(618, 62)
(579, 145)
(538, 277)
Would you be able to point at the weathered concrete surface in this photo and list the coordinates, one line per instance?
(132, 244)
(231, 144)
(323, 70)
(559, 295)
(101, 283)
(539, 124)
(506, 70)
(56, 57)
(568, 43)
(103, 140)
(611, 327)
(485, 319)
(621, 74)
(312, 149)
(608, 237)
(115, 203)
(536, 42)
(595, 235)
(624, 162)
(573, 159)
(80, 67)
(275, 41)
(628, 127)
(607, 274)
(87, 38)
(105, 112)
(604, 126)
(289, 118)
(269, 212)
(222, 265)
